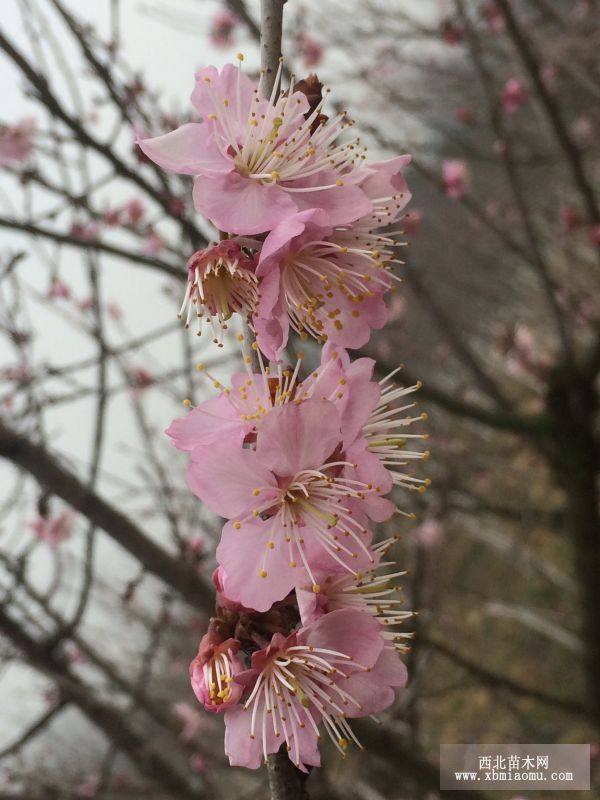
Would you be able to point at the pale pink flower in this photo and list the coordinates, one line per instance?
(465, 114)
(236, 414)
(514, 95)
(135, 211)
(310, 49)
(16, 142)
(222, 27)
(428, 533)
(324, 674)
(570, 219)
(329, 282)
(295, 500)
(455, 175)
(221, 282)
(140, 377)
(89, 786)
(190, 719)
(493, 16)
(153, 244)
(197, 762)
(114, 310)
(451, 33)
(373, 592)
(58, 290)
(84, 231)
(259, 161)
(54, 530)
(213, 670)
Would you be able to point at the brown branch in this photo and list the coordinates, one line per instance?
(36, 460)
(104, 716)
(139, 259)
(553, 112)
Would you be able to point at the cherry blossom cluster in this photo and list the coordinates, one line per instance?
(301, 466)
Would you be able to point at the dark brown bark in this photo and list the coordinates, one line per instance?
(36, 460)
(285, 781)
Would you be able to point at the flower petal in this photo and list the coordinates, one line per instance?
(296, 437)
(256, 560)
(190, 149)
(225, 477)
(241, 205)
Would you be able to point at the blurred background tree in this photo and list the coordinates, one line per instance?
(105, 559)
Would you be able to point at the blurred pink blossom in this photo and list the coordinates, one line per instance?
(16, 142)
(140, 377)
(198, 762)
(595, 235)
(513, 96)
(54, 530)
(58, 290)
(223, 25)
(428, 533)
(455, 174)
(85, 232)
(114, 310)
(191, 720)
(450, 32)
(135, 211)
(583, 129)
(154, 244)
(570, 219)
(493, 16)
(465, 114)
(310, 49)
(89, 786)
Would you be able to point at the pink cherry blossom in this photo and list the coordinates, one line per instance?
(135, 211)
(221, 282)
(58, 290)
(428, 533)
(222, 27)
(310, 49)
(197, 762)
(89, 786)
(295, 500)
(372, 593)
(213, 670)
(329, 282)
(191, 720)
(153, 244)
(236, 414)
(55, 529)
(16, 142)
(259, 161)
(514, 95)
(326, 673)
(455, 175)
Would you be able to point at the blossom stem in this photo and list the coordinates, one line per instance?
(285, 781)
(271, 24)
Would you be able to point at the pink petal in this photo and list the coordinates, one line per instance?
(374, 689)
(296, 437)
(241, 205)
(246, 556)
(223, 86)
(224, 477)
(242, 750)
(213, 421)
(354, 633)
(386, 179)
(190, 149)
(279, 242)
(341, 204)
